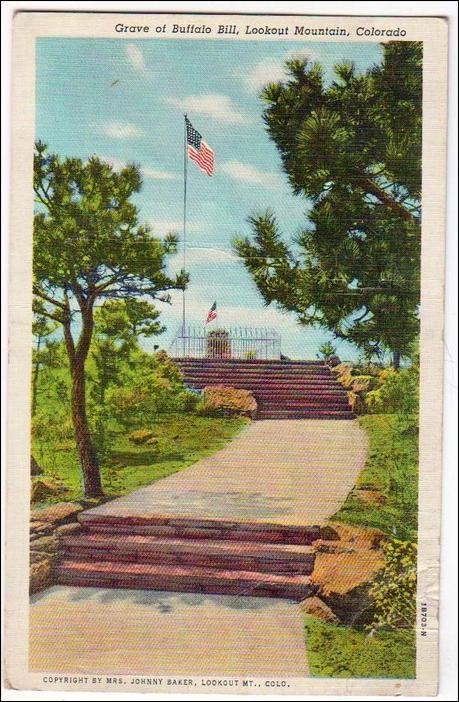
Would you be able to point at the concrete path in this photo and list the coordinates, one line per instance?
(281, 471)
(94, 630)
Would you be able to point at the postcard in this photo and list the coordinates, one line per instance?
(225, 371)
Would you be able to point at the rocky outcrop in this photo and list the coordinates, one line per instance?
(344, 570)
(47, 525)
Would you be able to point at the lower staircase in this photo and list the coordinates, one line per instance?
(189, 555)
(282, 389)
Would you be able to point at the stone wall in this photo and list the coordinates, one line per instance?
(46, 526)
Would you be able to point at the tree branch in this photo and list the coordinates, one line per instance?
(382, 196)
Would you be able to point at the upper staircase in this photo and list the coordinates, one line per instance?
(282, 389)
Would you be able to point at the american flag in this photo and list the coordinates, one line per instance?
(212, 313)
(198, 150)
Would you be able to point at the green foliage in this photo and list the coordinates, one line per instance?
(346, 652)
(354, 149)
(326, 351)
(398, 392)
(153, 386)
(183, 439)
(394, 588)
(392, 469)
(89, 247)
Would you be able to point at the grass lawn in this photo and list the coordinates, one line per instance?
(392, 469)
(345, 652)
(183, 439)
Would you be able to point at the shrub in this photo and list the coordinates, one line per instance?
(326, 351)
(398, 392)
(394, 588)
(223, 401)
(141, 436)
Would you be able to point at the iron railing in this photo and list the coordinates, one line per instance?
(231, 342)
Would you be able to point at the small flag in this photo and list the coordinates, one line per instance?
(212, 313)
(198, 150)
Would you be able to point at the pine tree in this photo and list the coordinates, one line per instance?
(353, 148)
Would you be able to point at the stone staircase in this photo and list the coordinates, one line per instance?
(189, 555)
(282, 389)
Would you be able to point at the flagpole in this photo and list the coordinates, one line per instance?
(185, 174)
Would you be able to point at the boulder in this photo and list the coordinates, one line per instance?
(60, 513)
(66, 529)
(40, 575)
(345, 565)
(46, 544)
(222, 400)
(344, 581)
(328, 533)
(315, 607)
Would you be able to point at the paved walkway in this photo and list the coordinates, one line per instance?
(136, 632)
(281, 471)
(288, 472)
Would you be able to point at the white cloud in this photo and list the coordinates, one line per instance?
(164, 226)
(270, 70)
(213, 105)
(157, 174)
(135, 57)
(121, 130)
(147, 172)
(246, 173)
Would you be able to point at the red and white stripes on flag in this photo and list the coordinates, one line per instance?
(212, 313)
(198, 150)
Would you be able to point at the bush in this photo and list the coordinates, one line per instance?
(380, 391)
(398, 392)
(141, 436)
(394, 588)
(223, 401)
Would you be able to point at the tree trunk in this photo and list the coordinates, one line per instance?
(396, 360)
(77, 356)
(87, 453)
(36, 371)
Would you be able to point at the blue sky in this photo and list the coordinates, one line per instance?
(79, 113)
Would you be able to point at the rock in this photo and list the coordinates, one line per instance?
(43, 489)
(39, 527)
(40, 575)
(66, 529)
(35, 469)
(331, 547)
(60, 513)
(38, 556)
(333, 361)
(357, 537)
(344, 581)
(318, 609)
(46, 544)
(222, 401)
(328, 533)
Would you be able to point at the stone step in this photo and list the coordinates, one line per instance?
(255, 362)
(260, 384)
(148, 576)
(206, 553)
(199, 528)
(305, 414)
(258, 373)
(303, 406)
